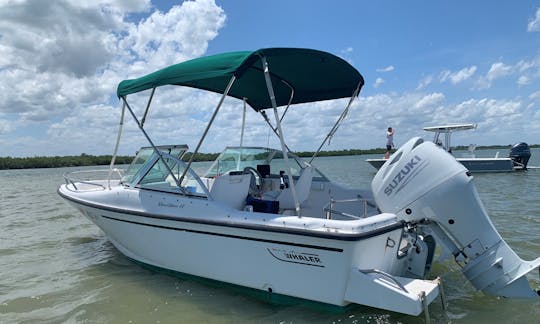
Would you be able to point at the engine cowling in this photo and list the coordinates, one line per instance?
(422, 183)
(520, 153)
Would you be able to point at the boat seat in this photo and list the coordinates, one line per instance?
(231, 189)
(302, 187)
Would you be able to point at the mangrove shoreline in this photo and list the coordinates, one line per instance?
(8, 163)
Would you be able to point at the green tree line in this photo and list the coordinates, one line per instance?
(88, 160)
(7, 163)
(35, 162)
(59, 161)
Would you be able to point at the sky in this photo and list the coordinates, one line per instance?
(425, 63)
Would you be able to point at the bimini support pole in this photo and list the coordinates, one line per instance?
(280, 131)
(158, 152)
(143, 120)
(242, 134)
(225, 93)
(267, 120)
(243, 123)
(113, 159)
(290, 99)
(340, 119)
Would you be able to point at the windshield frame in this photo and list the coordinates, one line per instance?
(237, 158)
(147, 160)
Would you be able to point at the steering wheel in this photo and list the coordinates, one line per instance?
(255, 181)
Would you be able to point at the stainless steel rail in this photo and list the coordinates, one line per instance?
(70, 178)
(330, 210)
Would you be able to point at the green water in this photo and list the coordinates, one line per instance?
(57, 267)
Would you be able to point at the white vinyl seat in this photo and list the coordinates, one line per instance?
(302, 188)
(231, 190)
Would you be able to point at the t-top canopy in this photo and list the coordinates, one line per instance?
(314, 75)
(450, 128)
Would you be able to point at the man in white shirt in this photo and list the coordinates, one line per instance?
(389, 142)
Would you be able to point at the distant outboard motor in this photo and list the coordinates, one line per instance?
(427, 188)
(520, 153)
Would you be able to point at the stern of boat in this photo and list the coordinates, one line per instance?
(398, 294)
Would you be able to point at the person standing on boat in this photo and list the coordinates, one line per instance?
(389, 142)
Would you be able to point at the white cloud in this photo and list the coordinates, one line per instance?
(523, 66)
(425, 82)
(444, 75)
(407, 113)
(534, 24)
(498, 70)
(459, 76)
(499, 109)
(535, 95)
(61, 59)
(184, 32)
(528, 70)
(430, 100)
(56, 37)
(389, 68)
(125, 6)
(6, 126)
(523, 80)
(346, 54)
(463, 74)
(497, 120)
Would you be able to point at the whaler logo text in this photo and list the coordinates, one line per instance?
(402, 175)
(297, 257)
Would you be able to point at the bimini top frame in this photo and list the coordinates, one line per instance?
(314, 75)
(264, 79)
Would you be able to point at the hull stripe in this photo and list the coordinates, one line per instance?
(255, 227)
(228, 235)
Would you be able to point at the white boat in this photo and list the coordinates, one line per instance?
(517, 159)
(265, 219)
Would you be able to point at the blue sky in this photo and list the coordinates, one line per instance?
(425, 63)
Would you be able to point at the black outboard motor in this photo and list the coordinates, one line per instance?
(520, 154)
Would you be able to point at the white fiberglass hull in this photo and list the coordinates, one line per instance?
(300, 258)
(487, 164)
(376, 163)
(472, 164)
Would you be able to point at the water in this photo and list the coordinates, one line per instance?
(56, 266)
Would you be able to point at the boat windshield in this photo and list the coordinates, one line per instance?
(265, 160)
(144, 156)
(149, 171)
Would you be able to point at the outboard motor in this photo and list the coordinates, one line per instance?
(520, 153)
(425, 186)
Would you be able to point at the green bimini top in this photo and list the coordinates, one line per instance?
(314, 75)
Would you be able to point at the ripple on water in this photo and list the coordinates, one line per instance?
(56, 266)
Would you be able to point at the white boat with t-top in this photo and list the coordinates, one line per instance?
(265, 219)
(517, 159)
